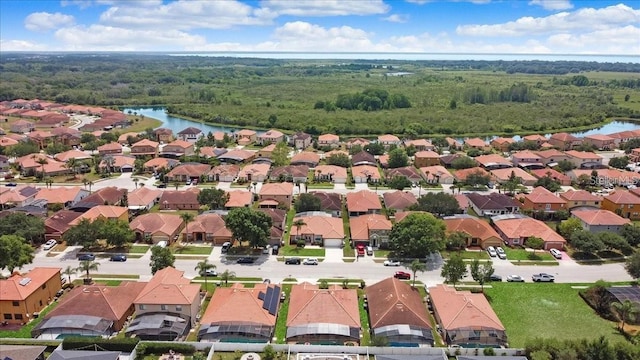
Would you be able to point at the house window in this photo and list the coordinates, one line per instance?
(547, 206)
(44, 286)
(178, 307)
(15, 303)
(7, 316)
(142, 307)
(163, 307)
(17, 316)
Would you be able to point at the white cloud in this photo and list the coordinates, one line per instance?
(397, 18)
(623, 40)
(21, 45)
(326, 7)
(44, 21)
(586, 19)
(304, 36)
(553, 4)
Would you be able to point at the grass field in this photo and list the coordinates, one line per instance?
(546, 310)
(481, 255)
(289, 250)
(138, 249)
(522, 254)
(191, 250)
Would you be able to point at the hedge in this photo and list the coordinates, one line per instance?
(122, 344)
(147, 348)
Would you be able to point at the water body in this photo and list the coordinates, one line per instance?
(178, 124)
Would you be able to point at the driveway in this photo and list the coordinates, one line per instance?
(332, 255)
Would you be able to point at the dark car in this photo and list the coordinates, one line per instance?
(209, 272)
(495, 277)
(402, 275)
(293, 261)
(162, 186)
(119, 257)
(246, 260)
(275, 249)
(86, 257)
(12, 184)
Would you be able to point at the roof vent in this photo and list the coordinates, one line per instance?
(25, 281)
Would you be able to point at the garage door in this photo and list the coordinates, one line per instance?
(332, 243)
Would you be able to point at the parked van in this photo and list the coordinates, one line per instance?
(225, 247)
(369, 251)
(556, 253)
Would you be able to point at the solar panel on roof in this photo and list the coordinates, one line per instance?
(261, 295)
(267, 298)
(275, 300)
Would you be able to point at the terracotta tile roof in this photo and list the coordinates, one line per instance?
(360, 225)
(189, 196)
(601, 137)
(209, 224)
(120, 161)
(190, 169)
(18, 194)
(363, 157)
(525, 227)
(492, 201)
(399, 200)
(579, 195)
(600, 217)
(277, 189)
(60, 195)
(190, 131)
(29, 161)
(526, 154)
(105, 211)
(168, 287)
(277, 216)
(540, 173)
(462, 200)
(388, 138)
(337, 171)
(310, 305)
(475, 142)
(503, 140)
(435, 172)
(271, 135)
(295, 171)
(623, 197)
(384, 160)
(564, 137)
(328, 138)
(545, 154)
(212, 152)
(418, 143)
(586, 155)
(365, 171)
(363, 201)
(124, 138)
(105, 302)
(326, 226)
(328, 201)
(145, 142)
(239, 198)
(246, 132)
(110, 195)
(504, 174)
(256, 170)
(462, 174)
(393, 302)
(492, 159)
(357, 141)
(75, 154)
(238, 304)
(306, 157)
(409, 172)
(114, 146)
(163, 131)
(7, 141)
(463, 309)
(159, 162)
(225, 170)
(427, 154)
(154, 223)
(535, 137)
(60, 221)
(179, 144)
(11, 290)
(475, 227)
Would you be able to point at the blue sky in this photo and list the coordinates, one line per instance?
(434, 26)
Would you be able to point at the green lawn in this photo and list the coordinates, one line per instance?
(289, 250)
(555, 311)
(138, 249)
(364, 319)
(466, 254)
(115, 276)
(281, 323)
(191, 250)
(522, 254)
(320, 186)
(381, 253)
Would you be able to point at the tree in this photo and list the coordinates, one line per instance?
(298, 223)
(29, 227)
(250, 225)
(116, 232)
(569, 226)
(512, 183)
(85, 234)
(477, 179)
(481, 273)
(42, 162)
(586, 241)
(633, 265)
(454, 269)
(69, 271)
(626, 311)
(161, 257)
(135, 181)
(109, 162)
(374, 148)
(87, 265)
(201, 268)
(339, 159)
(534, 243)
(268, 353)
(280, 155)
(631, 234)
(399, 183)
(214, 198)
(72, 164)
(437, 203)
(457, 240)
(398, 158)
(613, 241)
(16, 252)
(416, 266)
(548, 183)
(463, 162)
(417, 236)
(226, 276)
(186, 218)
(619, 162)
(307, 202)
(565, 165)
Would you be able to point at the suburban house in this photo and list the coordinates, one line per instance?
(365, 174)
(91, 311)
(397, 313)
(387, 140)
(245, 136)
(604, 177)
(209, 152)
(622, 137)
(502, 144)
(108, 212)
(112, 148)
(466, 319)
(24, 296)
(42, 138)
(516, 229)
(128, 138)
(363, 158)
(166, 308)
(437, 174)
(290, 173)
(596, 221)
(106, 196)
(18, 196)
(239, 198)
(278, 219)
(188, 172)
(369, 230)
(156, 164)
(580, 199)
(564, 141)
(541, 199)
(22, 126)
(419, 144)
(117, 163)
(323, 230)
(399, 200)
(479, 232)
(502, 176)
(190, 134)
(356, 142)
(64, 196)
(331, 140)
(552, 157)
(453, 143)
(330, 173)
(557, 176)
(64, 135)
(28, 352)
(143, 198)
(57, 224)
(535, 138)
(236, 156)
(224, 173)
(301, 140)
(492, 204)
(71, 154)
(476, 143)
(584, 159)
(271, 137)
(207, 228)
(623, 203)
(180, 200)
(243, 314)
(409, 172)
(527, 159)
(492, 162)
(462, 174)
(323, 316)
(144, 148)
(308, 158)
(163, 135)
(600, 141)
(281, 193)
(363, 202)
(254, 173)
(426, 158)
(266, 152)
(178, 148)
(329, 202)
(156, 227)
(463, 202)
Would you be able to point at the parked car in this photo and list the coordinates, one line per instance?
(369, 251)
(12, 184)
(246, 260)
(49, 244)
(119, 257)
(515, 278)
(161, 186)
(310, 261)
(556, 253)
(543, 277)
(495, 277)
(292, 261)
(275, 249)
(209, 272)
(501, 254)
(402, 275)
(266, 249)
(225, 247)
(391, 263)
(86, 257)
(360, 250)
(492, 251)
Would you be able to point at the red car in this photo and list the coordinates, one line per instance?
(402, 275)
(360, 250)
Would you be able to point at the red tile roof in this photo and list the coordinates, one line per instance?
(476, 228)
(311, 305)
(168, 286)
(600, 217)
(154, 223)
(540, 195)
(463, 309)
(399, 200)
(393, 302)
(361, 225)
(238, 304)
(11, 290)
(326, 226)
(363, 201)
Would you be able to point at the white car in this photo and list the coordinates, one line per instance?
(49, 245)
(492, 251)
(501, 254)
(310, 261)
(391, 263)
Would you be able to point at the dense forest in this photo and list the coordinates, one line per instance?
(409, 98)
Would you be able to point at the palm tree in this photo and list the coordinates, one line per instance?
(69, 271)
(625, 310)
(226, 276)
(72, 164)
(48, 181)
(42, 162)
(85, 181)
(135, 182)
(298, 224)
(201, 268)
(109, 161)
(186, 217)
(87, 266)
(90, 183)
(416, 266)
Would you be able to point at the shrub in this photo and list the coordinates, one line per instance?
(124, 345)
(300, 243)
(163, 348)
(488, 352)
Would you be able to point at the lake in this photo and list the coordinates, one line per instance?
(178, 124)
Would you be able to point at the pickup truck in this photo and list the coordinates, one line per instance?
(542, 277)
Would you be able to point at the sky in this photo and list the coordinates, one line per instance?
(551, 27)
